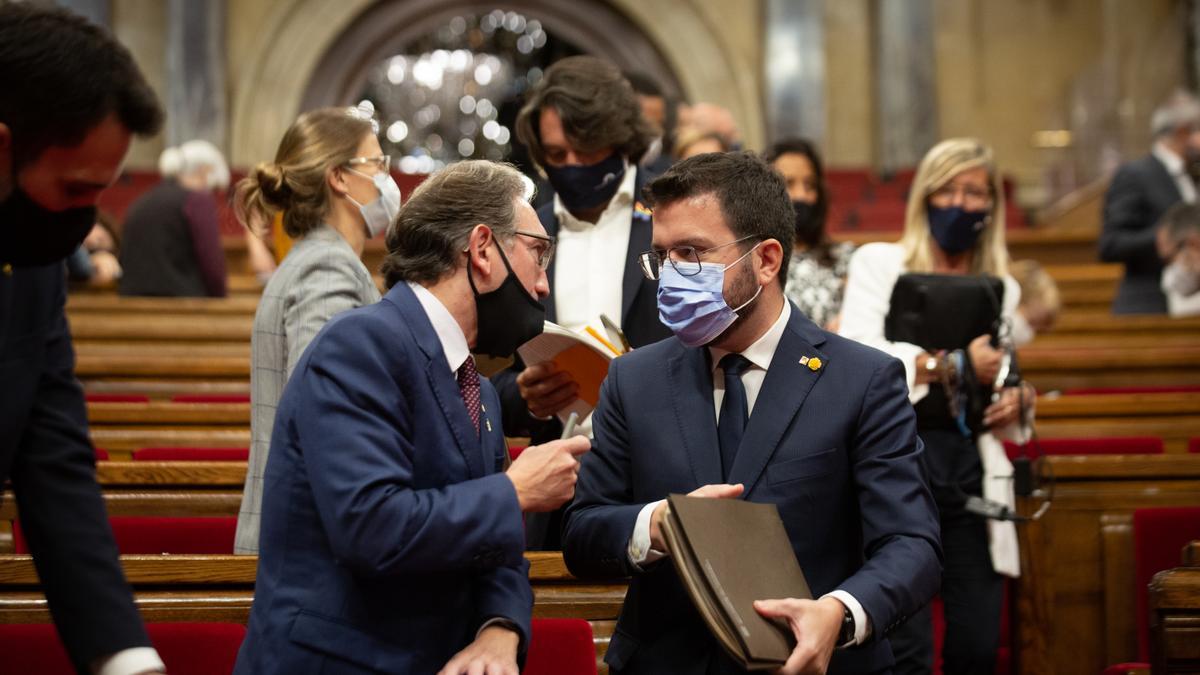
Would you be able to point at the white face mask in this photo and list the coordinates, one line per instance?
(1178, 278)
(381, 211)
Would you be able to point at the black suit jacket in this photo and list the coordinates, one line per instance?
(1141, 191)
(46, 453)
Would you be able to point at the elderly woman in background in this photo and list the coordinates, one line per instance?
(172, 239)
(332, 182)
(954, 225)
(817, 275)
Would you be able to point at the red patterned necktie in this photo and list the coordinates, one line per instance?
(468, 384)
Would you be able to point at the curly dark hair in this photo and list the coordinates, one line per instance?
(597, 105)
(61, 76)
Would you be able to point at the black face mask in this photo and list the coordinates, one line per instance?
(32, 235)
(808, 226)
(507, 317)
(586, 187)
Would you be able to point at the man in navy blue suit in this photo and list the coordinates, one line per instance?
(391, 538)
(71, 98)
(750, 399)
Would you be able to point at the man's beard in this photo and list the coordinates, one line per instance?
(744, 287)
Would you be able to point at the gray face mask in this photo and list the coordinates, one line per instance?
(380, 212)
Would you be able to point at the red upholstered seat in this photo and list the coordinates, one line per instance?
(101, 455)
(152, 536)
(185, 648)
(116, 398)
(210, 398)
(1131, 445)
(561, 647)
(1194, 444)
(514, 451)
(169, 454)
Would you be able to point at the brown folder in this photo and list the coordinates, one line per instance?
(729, 553)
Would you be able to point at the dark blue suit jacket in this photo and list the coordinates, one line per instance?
(1139, 195)
(45, 451)
(836, 449)
(388, 534)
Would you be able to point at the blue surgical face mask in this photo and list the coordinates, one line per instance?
(955, 229)
(380, 212)
(586, 187)
(694, 306)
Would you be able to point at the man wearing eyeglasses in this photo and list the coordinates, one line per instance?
(752, 400)
(391, 536)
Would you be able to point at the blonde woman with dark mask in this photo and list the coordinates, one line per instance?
(954, 225)
(331, 181)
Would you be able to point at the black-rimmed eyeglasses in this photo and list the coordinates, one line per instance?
(652, 261)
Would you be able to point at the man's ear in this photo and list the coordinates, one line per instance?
(479, 251)
(770, 261)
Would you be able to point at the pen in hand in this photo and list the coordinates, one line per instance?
(569, 427)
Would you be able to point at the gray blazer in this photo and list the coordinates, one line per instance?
(320, 277)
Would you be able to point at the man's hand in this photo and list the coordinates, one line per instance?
(815, 623)
(494, 652)
(715, 491)
(544, 475)
(984, 359)
(546, 389)
(1006, 410)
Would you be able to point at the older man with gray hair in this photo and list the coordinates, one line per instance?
(1140, 193)
(391, 535)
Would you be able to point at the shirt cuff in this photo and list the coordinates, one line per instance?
(132, 661)
(640, 552)
(862, 623)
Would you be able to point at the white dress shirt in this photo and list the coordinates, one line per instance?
(759, 354)
(589, 260)
(1174, 164)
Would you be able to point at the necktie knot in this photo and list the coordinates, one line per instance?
(733, 365)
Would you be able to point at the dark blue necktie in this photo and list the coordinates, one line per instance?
(734, 410)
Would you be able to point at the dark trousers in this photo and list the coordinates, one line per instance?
(971, 592)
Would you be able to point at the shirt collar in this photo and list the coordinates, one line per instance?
(449, 333)
(762, 350)
(622, 199)
(1172, 161)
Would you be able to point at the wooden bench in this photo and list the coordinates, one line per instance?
(221, 588)
(1175, 616)
(1074, 612)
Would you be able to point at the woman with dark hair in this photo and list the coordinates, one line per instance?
(817, 275)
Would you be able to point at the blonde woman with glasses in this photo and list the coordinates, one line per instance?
(331, 181)
(954, 225)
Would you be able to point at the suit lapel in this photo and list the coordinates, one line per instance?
(695, 416)
(641, 232)
(441, 382)
(784, 389)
